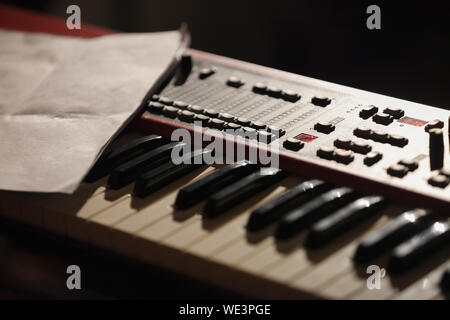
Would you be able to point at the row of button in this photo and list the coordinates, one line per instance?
(356, 146)
(214, 114)
(380, 136)
(385, 118)
(338, 155)
(275, 92)
(347, 156)
(403, 167)
(211, 118)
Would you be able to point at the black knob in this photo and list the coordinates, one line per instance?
(184, 69)
(436, 149)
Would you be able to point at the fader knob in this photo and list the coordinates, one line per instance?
(436, 149)
(184, 69)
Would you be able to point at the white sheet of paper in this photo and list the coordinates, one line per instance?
(62, 99)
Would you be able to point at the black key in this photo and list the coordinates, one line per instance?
(166, 101)
(130, 170)
(445, 281)
(393, 233)
(205, 73)
(367, 112)
(344, 219)
(372, 158)
(383, 118)
(241, 190)
(395, 112)
(201, 189)
(290, 96)
(301, 218)
(259, 88)
(321, 101)
(119, 155)
(417, 248)
(155, 98)
(167, 173)
(274, 210)
(155, 107)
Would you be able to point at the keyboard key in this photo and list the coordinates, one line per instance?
(273, 92)
(186, 116)
(434, 124)
(410, 164)
(397, 140)
(343, 143)
(290, 95)
(361, 147)
(445, 281)
(383, 118)
(235, 82)
(195, 109)
(343, 156)
(321, 101)
(379, 136)
(241, 190)
(130, 170)
(368, 111)
(216, 124)
(180, 105)
(397, 170)
(395, 112)
(276, 131)
(200, 190)
(363, 132)
(273, 211)
(372, 158)
(166, 101)
(155, 107)
(293, 144)
(301, 218)
(326, 153)
(201, 118)
(393, 233)
(439, 180)
(161, 176)
(211, 113)
(344, 219)
(324, 127)
(170, 112)
(205, 73)
(155, 98)
(259, 88)
(226, 117)
(412, 251)
(119, 155)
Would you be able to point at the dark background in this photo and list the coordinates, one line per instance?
(408, 58)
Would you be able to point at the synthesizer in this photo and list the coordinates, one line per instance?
(361, 186)
(347, 136)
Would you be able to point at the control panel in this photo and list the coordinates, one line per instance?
(345, 135)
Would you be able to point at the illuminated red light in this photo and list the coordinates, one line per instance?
(305, 137)
(413, 122)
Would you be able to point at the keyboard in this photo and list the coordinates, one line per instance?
(320, 129)
(305, 229)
